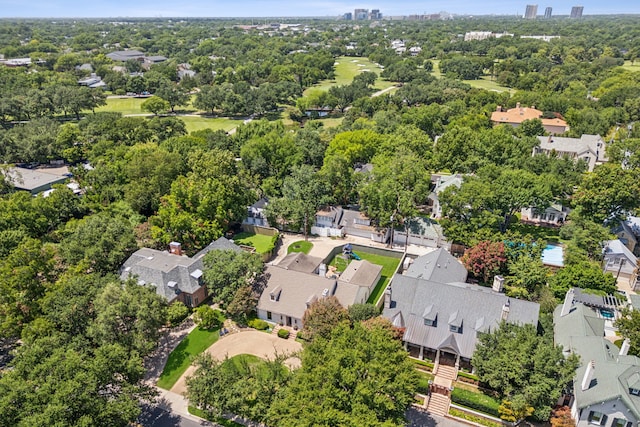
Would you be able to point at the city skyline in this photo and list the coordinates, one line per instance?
(257, 8)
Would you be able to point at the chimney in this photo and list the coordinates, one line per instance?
(322, 270)
(175, 248)
(499, 108)
(588, 375)
(568, 302)
(498, 283)
(387, 298)
(517, 105)
(505, 309)
(624, 349)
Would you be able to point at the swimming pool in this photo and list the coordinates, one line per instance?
(607, 314)
(553, 255)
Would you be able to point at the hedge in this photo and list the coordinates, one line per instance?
(258, 324)
(477, 401)
(473, 418)
(424, 363)
(283, 333)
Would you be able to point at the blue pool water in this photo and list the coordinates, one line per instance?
(607, 314)
(553, 255)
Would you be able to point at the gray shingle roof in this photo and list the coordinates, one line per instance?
(438, 266)
(581, 332)
(361, 273)
(471, 307)
(298, 261)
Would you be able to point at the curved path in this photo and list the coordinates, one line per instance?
(257, 343)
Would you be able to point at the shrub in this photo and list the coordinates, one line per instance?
(283, 333)
(478, 401)
(468, 378)
(423, 364)
(177, 312)
(473, 418)
(258, 324)
(208, 318)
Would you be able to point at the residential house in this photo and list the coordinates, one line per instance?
(125, 55)
(175, 276)
(441, 183)
(289, 293)
(355, 223)
(256, 214)
(628, 232)
(515, 117)
(552, 216)
(38, 180)
(590, 148)
(620, 261)
(606, 386)
(441, 316)
(93, 81)
(148, 61)
(301, 262)
(420, 231)
(327, 222)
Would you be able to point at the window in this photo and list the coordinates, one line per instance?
(619, 422)
(456, 329)
(187, 300)
(430, 322)
(597, 418)
(269, 315)
(196, 300)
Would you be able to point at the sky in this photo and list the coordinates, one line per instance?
(258, 8)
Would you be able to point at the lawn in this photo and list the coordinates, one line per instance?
(486, 83)
(218, 420)
(389, 265)
(436, 68)
(124, 105)
(300, 246)
(538, 233)
(198, 123)
(631, 67)
(475, 400)
(183, 355)
(346, 69)
(262, 243)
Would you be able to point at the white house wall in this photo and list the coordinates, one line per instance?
(612, 409)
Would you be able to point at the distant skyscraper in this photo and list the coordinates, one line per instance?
(375, 14)
(576, 11)
(547, 12)
(347, 16)
(531, 12)
(360, 14)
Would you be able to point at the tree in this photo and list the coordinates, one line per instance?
(362, 312)
(322, 316)
(303, 192)
(155, 105)
(361, 376)
(176, 313)
(173, 94)
(228, 271)
(485, 260)
(562, 417)
(583, 274)
(207, 318)
(244, 302)
(628, 325)
(524, 368)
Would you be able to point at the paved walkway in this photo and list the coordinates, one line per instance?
(258, 343)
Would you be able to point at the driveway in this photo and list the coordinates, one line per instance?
(257, 343)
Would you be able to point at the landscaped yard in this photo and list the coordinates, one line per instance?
(346, 69)
(389, 265)
(183, 355)
(219, 123)
(300, 246)
(485, 82)
(124, 105)
(262, 243)
(538, 233)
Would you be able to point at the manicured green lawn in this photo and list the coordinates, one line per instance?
(436, 69)
(183, 355)
(195, 123)
(389, 265)
(631, 67)
(260, 242)
(475, 400)
(123, 105)
(538, 233)
(300, 246)
(346, 69)
(486, 83)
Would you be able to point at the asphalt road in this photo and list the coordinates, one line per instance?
(153, 416)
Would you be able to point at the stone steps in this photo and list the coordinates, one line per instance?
(447, 372)
(438, 404)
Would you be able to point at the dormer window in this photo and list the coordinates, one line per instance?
(274, 295)
(431, 322)
(634, 391)
(455, 329)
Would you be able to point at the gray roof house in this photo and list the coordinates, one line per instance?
(590, 148)
(628, 231)
(606, 387)
(356, 223)
(125, 55)
(298, 261)
(620, 261)
(442, 316)
(36, 181)
(175, 276)
(289, 293)
(420, 231)
(441, 183)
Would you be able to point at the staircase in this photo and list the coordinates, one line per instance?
(438, 404)
(447, 372)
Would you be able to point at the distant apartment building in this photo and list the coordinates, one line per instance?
(531, 12)
(547, 12)
(360, 14)
(375, 14)
(348, 16)
(576, 12)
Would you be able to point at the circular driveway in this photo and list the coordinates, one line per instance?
(261, 344)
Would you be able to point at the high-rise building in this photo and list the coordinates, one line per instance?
(360, 14)
(547, 12)
(375, 14)
(531, 12)
(576, 11)
(347, 16)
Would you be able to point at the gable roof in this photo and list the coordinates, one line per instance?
(581, 332)
(296, 289)
(469, 307)
(585, 144)
(222, 244)
(361, 273)
(520, 114)
(616, 247)
(438, 266)
(299, 261)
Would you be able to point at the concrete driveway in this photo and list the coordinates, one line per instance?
(257, 343)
